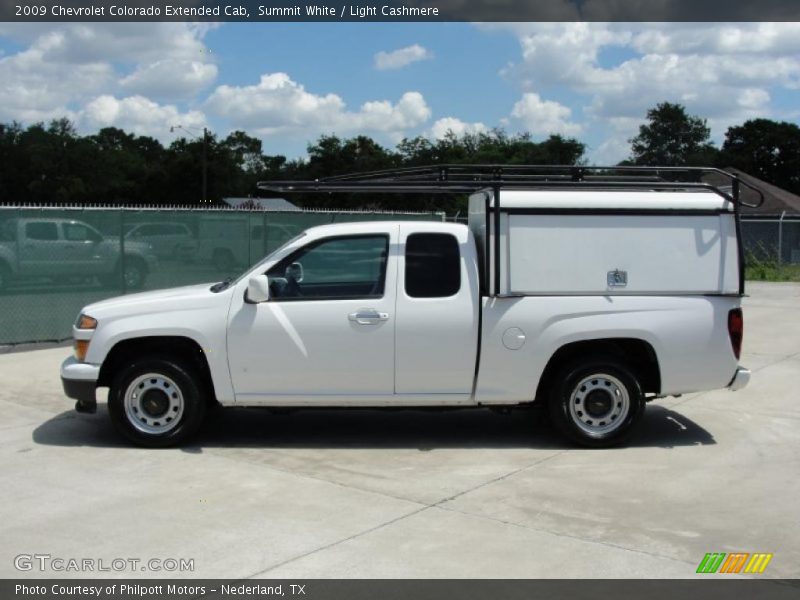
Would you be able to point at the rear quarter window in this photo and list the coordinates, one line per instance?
(433, 265)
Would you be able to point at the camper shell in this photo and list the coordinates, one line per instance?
(558, 242)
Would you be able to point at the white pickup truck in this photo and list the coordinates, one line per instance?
(65, 249)
(588, 295)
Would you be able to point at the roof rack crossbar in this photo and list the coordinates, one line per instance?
(470, 178)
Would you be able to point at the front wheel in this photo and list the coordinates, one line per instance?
(596, 402)
(156, 402)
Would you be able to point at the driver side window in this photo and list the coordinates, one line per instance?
(332, 269)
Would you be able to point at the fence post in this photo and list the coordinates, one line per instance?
(780, 238)
(122, 250)
(264, 238)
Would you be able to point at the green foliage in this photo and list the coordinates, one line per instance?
(672, 138)
(761, 264)
(54, 164)
(759, 269)
(769, 150)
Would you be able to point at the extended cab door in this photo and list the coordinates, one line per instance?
(437, 313)
(326, 336)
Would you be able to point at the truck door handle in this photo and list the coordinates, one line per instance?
(368, 316)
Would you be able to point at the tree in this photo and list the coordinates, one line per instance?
(672, 138)
(54, 164)
(766, 149)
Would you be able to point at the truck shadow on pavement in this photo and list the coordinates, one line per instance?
(364, 428)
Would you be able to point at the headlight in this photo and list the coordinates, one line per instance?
(86, 322)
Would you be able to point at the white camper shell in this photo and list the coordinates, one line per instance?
(585, 242)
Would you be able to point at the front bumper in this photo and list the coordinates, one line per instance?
(740, 379)
(79, 381)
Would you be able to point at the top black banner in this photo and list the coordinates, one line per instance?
(400, 10)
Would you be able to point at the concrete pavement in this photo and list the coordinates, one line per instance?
(415, 494)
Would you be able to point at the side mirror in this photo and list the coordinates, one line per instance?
(295, 271)
(257, 290)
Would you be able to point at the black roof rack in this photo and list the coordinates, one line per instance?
(470, 178)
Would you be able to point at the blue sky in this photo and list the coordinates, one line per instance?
(289, 83)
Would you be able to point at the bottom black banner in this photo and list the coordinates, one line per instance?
(386, 589)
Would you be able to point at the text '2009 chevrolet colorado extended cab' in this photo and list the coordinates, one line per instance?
(588, 300)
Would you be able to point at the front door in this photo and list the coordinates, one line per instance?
(327, 333)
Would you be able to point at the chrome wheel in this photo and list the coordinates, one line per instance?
(599, 404)
(153, 403)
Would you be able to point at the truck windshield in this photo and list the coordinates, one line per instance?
(224, 285)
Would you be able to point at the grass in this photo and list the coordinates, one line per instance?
(758, 268)
(772, 272)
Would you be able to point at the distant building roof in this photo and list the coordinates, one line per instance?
(273, 204)
(776, 200)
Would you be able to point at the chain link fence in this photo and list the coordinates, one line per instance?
(54, 261)
(772, 240)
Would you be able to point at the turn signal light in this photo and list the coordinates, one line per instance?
(81, 348)
(736, 330)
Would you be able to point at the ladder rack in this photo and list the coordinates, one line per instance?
(470, 178)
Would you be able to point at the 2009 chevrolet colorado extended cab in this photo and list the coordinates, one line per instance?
(588, 299)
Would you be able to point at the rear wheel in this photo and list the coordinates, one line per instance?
(134, 273)
(157, 402)
(596, 401)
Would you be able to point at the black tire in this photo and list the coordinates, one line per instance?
(186, 383)
(596, 401)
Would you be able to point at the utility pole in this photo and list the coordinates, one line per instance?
(204, 192)
(205, 164)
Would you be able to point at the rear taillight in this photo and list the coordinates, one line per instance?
(736, 330)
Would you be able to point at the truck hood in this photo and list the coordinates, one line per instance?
(192, 297)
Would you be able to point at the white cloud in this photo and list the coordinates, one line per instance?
(726, 73)
(35, 87)
(132, 43)
(720, 38)
(170, 78)
(613, 150)
(402, 57)
(443, 126)
(277, 104)
(544, 117)
(723, 72)
(64, 66)
(137, 114)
